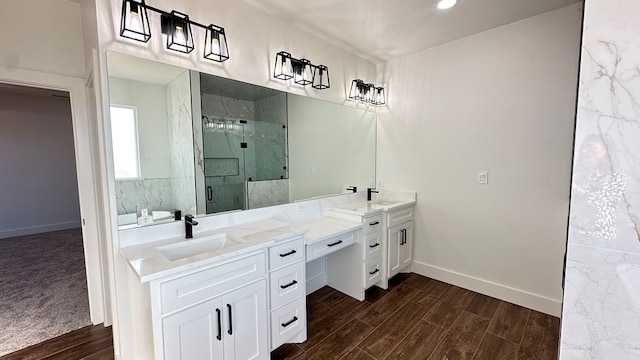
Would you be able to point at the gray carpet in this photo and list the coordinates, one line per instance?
(43, 288)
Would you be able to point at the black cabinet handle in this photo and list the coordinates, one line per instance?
(219, 337)
(374, 271)
(209, 193)
(374, 223)
(230, 320)
(289, 253)
(288, 285)
(403, 240)
(374, 245)
(335, 243)
(295, 318)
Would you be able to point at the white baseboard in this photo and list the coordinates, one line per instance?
(39, 229)
(516, 296)
(316, 283)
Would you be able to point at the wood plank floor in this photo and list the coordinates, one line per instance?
(89, 343)
(417, 318)
(421, 318)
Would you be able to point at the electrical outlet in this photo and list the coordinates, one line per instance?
(483, 177)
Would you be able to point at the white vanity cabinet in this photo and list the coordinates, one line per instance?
(399, 240)
(287, 292)
(218, 312)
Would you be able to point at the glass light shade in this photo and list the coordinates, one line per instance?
(215, 44)
(446, 4)
(378, 96)
(178, 29)
(134, 21)
(302, 72)
(321, 77)
(283, 68)
(367, 92)
(355, 92)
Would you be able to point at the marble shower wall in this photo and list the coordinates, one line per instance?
(155, 192)
(181, 143)
(601, 313)
(267, 193)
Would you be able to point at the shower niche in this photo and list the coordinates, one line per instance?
(241, 145)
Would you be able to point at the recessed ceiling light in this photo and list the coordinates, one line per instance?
(445, 4)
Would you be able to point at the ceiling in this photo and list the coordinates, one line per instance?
(379, 30)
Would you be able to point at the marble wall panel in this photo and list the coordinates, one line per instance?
(155, 192)
(181, 143)
(601, 310)
(267, 193)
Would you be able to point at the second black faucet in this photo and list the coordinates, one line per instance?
(189, 223)
(369, 191)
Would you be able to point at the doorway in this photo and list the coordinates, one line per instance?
(43, 289)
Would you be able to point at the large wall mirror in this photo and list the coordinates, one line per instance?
(204, 144)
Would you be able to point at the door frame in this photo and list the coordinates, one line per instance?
(85, 173)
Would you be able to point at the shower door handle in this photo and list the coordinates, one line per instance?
(209, 193)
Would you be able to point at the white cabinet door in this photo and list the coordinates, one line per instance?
(245, 323)
(406, 246)
(399, 247)
(394, 237)
(194, 333)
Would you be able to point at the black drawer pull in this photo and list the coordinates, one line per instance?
(374, 223)
(335, 243)
(230, 331)
(288, 285)
(374, 271)
(295, 318)
(374, 245)
(219, 337)
(289, 253)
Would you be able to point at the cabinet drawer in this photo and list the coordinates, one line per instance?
(206, 284)
(287, 284)
(399, 216)
(372, 245)
(373, 224)
(372, 271)
(285, 254)
(288, 321)
(331, 244)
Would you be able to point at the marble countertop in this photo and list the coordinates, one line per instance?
(372, 207)
(148, 262)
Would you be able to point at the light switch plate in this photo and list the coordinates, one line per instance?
(483, 177)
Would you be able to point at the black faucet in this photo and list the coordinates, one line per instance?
(189, 223)
(369, 191)
(353, 189)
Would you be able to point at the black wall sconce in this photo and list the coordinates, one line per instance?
(302, 71)
(367, 93)
(134, 24)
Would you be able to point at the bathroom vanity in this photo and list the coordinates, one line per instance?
(238, 289)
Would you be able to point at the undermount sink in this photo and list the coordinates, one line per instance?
(194, 247)
(384, 202)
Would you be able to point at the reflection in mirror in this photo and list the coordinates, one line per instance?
(158, 97)
(207, 144)
(242, 163)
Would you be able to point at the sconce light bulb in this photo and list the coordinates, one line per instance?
(215, 45)
(446, 4)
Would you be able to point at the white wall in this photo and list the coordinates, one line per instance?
(150, 101)
(42, 36)
(502, 101)
(38, 186)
